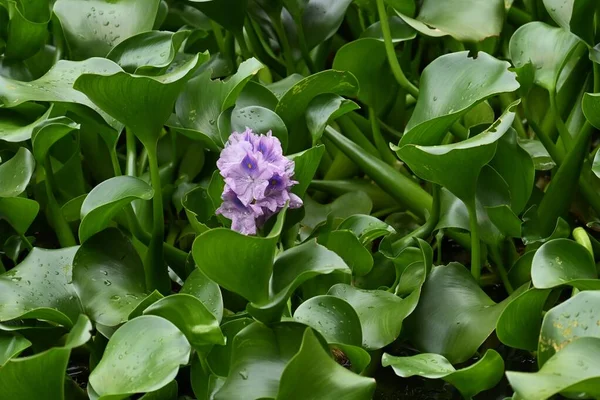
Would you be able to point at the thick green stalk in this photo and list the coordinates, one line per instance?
(391, 53)
(114, 160)
(401, 187)
(239, 37)
(518, 17)
(354, 133)
(131, 153)
(26, 241)
(259, 51)
(285, 43)
(219, 37)
(563, 131)
(304, 47)
(60, 224)
(497, 258)
(157, 276)
(384, 150)
(475, 243)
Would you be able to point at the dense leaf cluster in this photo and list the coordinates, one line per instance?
(446, 158)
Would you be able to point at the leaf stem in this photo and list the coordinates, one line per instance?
(60, 224)
(563, 131)
(391, 53)
(497, 258)
(156, 273)
(239, 37)
(219, 37)
(26, 241)
(475, 243)
(131, 153)
(380, 143)
(285, 44)
(304, 47)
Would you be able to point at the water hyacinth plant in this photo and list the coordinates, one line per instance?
(316, 199)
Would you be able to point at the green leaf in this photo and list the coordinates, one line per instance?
(108, 275)
(143, 104)
(366, 227)
(292, 268)
(378, 88)
(203, 100)
(48, 133)
(148, 53)
(546, 47)
(208, 292)
(399, 30)
(261, 120)
(324, 109)
(294, 102)
(564, 262)
(381, 313)
(27, 31)
(107, 199)
(49, 367)
(39, 288)
(541, 159)
(321, 19)
(591, 108)
(572, 371)
(16, 124)
(575, 16)
(468, 21)
(469, 381)
(305, 167)
(450, 86)
(57, 86)
(191, 316)
(454, 315)
(228, 13)
(576, 317)
(520, 322)
(312, 373)
(457, 166)
(19, 212)
(346, 245)
(11, 345)
(344, 206)
(16, 173)
(333, 318)
(134, 363)
(219, 358)
(258, 357)
(92, 30)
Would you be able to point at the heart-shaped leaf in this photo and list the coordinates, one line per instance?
(208, 292)
(366, 227)
(19, 212)
(107, 199)
(346, 245)
(574, 371)
(261, 120)
(470, 21)
(450, 86)
(576, 317)
(574, 16)
(48, 133)
(134, 363)
(564, 262)
(108, 275)
(469, 381)
(92, 30)
(16, 173)
(323, 109)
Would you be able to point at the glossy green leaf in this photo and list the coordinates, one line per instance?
(573, 371)
(574, 16)
(541, 159)
(48, 133)
(381, 313)
(305, 167)
(107, 199)
(19, 212)
(202, 101)
(228, 13)
(320, 376)
(292, 268)
(470, 21)
(16, 173)
(322, 110)
(108, 275)
(342, 207)
(27, 30)
(246, 271)
(399, 30)
(576, 317)
(39, 288)
(378, 88)
(464, 159)
(564, 262)
(469, 381)
(148, 53)
(208, 292)
(258, 359)
(134, 363)
(11, 345)
(346, 245)
(366, 227)
(520, 322)
(48, 367)
(332, 317)
(16, 125)
(591, 108)
(454, 315)
(544, 46)
(261, 120)
(321, 19)
(57, 86)
(92, 30)
(450, 86)
(143, 104)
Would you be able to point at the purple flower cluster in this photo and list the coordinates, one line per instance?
(258, 179)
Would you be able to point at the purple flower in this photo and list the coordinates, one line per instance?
(258, 180)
